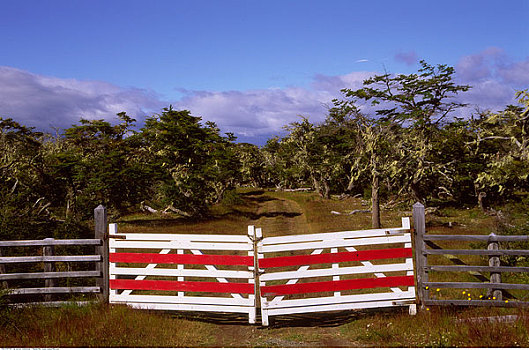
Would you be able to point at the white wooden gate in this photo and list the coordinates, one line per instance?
(337, 271)
(182, 272)
(218, 273)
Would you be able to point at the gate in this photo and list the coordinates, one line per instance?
(182, 272)
(337, 272)
(224, 273)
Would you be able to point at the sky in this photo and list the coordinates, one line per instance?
(250, 66)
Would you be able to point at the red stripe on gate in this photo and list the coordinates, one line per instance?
(336, 286)
(153, 258)
(361, 255)
(217, 287)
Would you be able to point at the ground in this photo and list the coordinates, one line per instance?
(277, 213)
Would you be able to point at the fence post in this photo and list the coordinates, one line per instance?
(421, 260)
(100, 221)
(48, 250)
(4, 284)
(494, 261)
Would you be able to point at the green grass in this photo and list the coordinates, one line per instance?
(279, 213)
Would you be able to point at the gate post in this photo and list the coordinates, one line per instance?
(421, 261)
(494, 261)
(100, 221)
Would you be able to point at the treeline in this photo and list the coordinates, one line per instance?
(395, 139)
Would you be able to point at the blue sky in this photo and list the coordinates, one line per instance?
(250, 66)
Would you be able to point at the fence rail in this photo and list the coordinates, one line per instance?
(17, 272)
(497, 290)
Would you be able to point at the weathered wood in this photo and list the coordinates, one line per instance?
(494, 261)
(4, 284)
(101, 226)
(474, 273)
(56, 258)
(498, 252)
(42, 243)
(54, 290)
(50, 304)
(479, 238)
(459, 268)
(421, 259)
(483, 303)
(47, 275)
(470, 285)
(48, 267)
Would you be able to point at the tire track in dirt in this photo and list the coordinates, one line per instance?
(277, 217)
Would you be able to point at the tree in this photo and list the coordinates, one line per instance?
(502, 140)
(195, 164)
(420, 104)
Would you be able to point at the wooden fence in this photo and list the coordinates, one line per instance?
(184, 272)
(336, 271)
(485, 291)
(56, 281)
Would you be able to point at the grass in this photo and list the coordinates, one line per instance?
(278, 213)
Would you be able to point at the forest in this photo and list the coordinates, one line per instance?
(397, 140)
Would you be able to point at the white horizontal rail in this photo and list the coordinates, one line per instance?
(406, 238)
(118, 244)
(193, 307)
(357, 298)
(183, 237)
(332, 307)
(135, 271)
(334, 235)
(274, 276)
(145, 298)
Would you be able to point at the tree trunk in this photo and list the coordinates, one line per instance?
(375, 202)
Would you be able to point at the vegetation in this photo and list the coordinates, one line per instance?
(277, 213)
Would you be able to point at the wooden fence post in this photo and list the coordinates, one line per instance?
(48, 250)
(494, 261)
(100, 220)
(4, 284)
(421, 261)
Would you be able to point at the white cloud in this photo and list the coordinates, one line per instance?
(45, 102)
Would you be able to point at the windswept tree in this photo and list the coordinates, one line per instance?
(420, 104)
(502, 141)
(195, 163)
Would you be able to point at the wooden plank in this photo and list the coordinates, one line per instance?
(192, 307)
(470, 285)
(41, 243)
(44, 275)
(480, 238)
(49, 267)
(54, 290)
(131, 271)
(390, 296)
(340, 271)
(406, 238)
(101, 232)
(51, 303)
(186, 286)
(328, 258)
(185, 237)
(333, 286)
(333, 307)
(483, 303)
(498, 252)
(147, 298)
(466, 268)
(229, 260)
(421, 259)
(116, 244)
(312, 237)
(55, 258)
